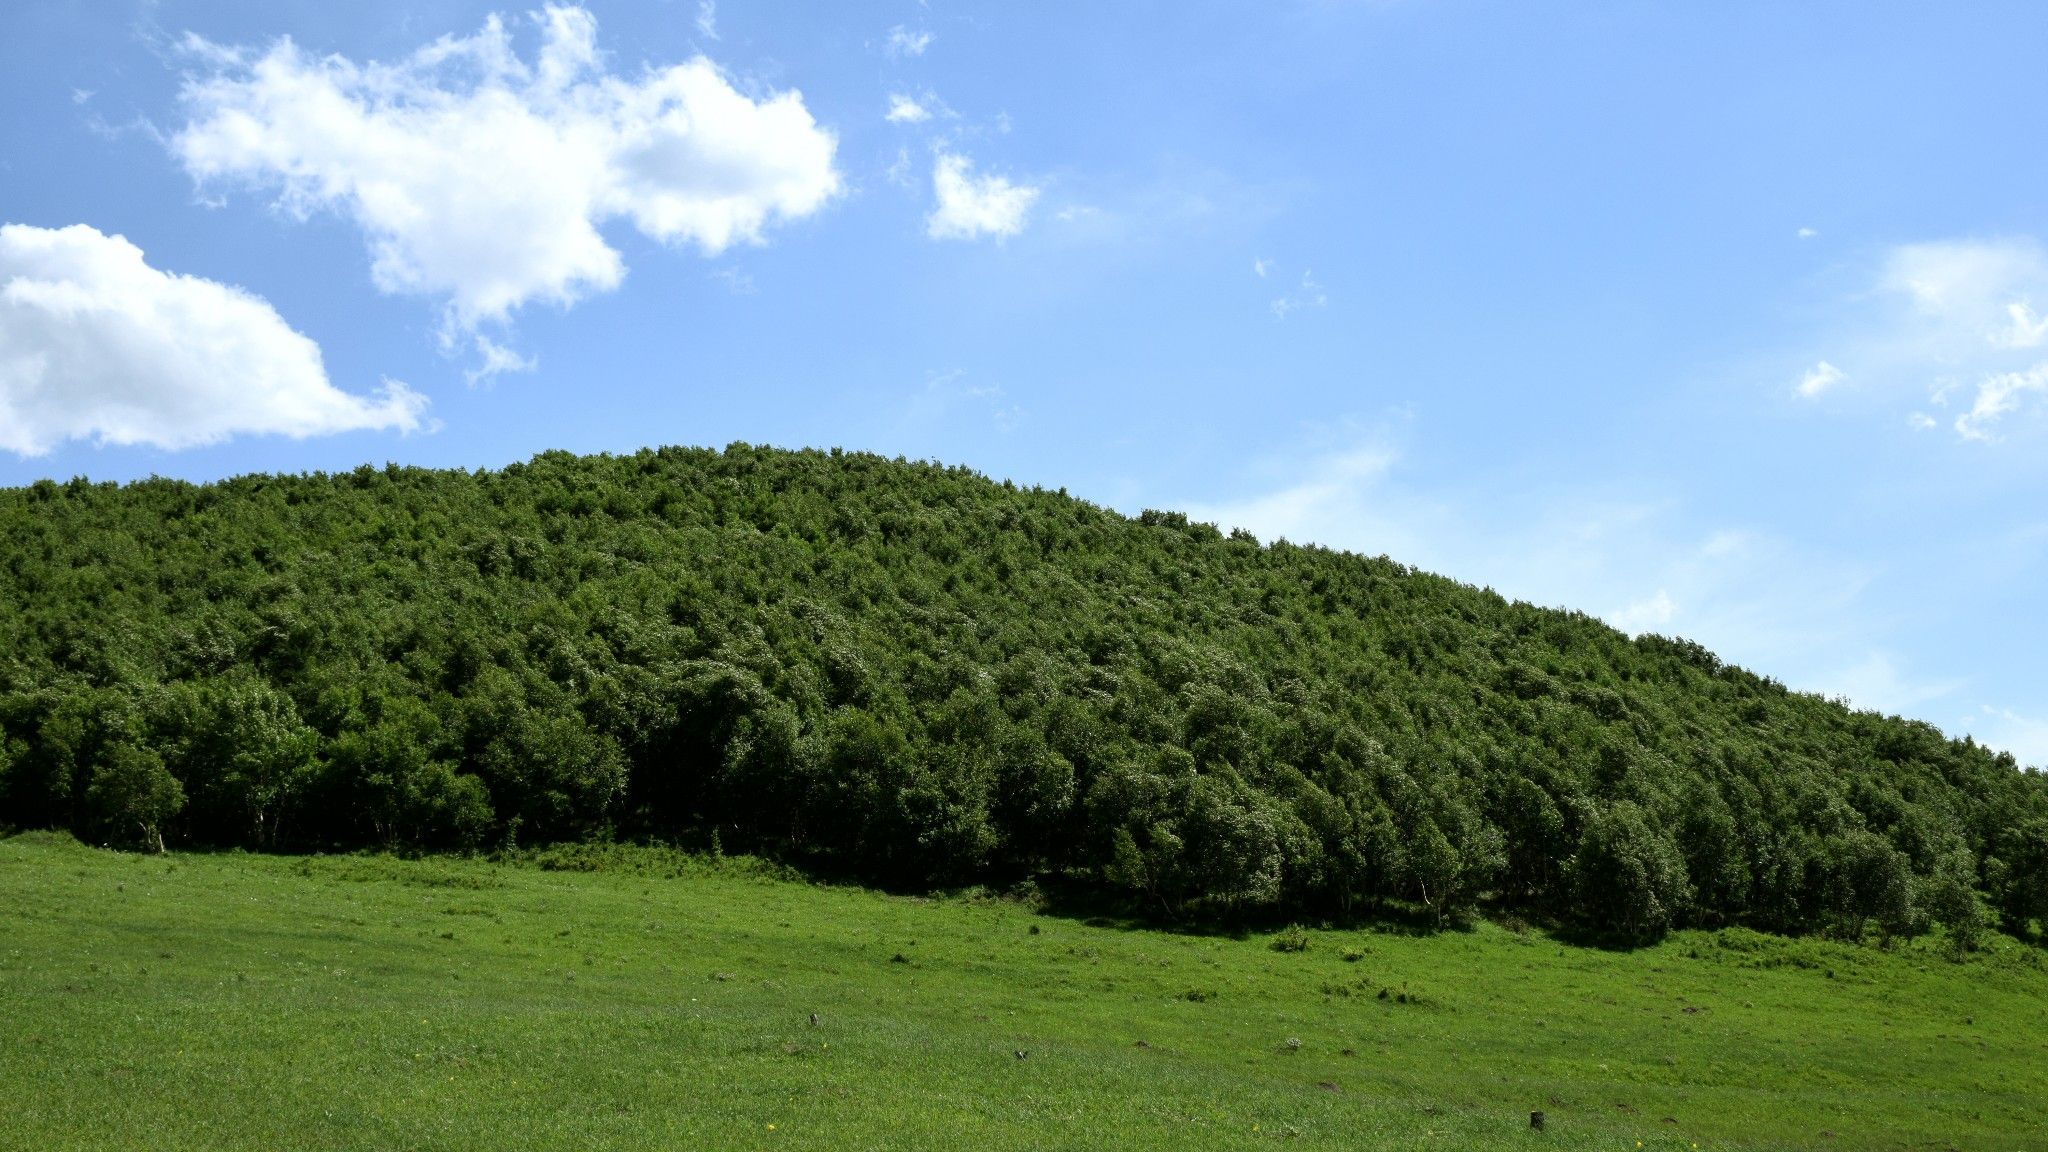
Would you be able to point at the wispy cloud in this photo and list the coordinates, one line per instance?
(1308, 294)
(707, 19)
(735, 281)
(1948, 321)
(495, 360)
(948, 396)
(1652, 615)
(906, 110)
(2026, 737)
(2000, 396)
(904, 41)
(1819, 379)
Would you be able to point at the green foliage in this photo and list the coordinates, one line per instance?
(1628, 877)
(133, 794)
(2020, 875)
(912, 675)
(1950, 900)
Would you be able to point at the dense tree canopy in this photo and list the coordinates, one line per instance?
(915, 675)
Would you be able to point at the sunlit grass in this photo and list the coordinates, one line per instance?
(241, 1001)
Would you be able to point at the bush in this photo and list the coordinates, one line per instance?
(1292, 940)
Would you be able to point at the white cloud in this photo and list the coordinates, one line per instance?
(736, 282)
(1807, 233)
(907, 42)
(1876, 682)
(1326, 505)
(949, 398)
(81, 95)
(1643, 616)
(2028, 330)
(2026, 737)
(1818, 379)
(971, 206)
(1950, 318)
(483, 179)
(1261, 267)
(1998, 397)
(1922, 422)
(96, 344)
(898, 172)
(495, 360)
(1309, 295)
(707, 19)
(1963, 282)
(905, 110)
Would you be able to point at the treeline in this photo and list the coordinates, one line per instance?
(916, 676)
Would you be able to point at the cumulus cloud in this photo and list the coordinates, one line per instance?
(906, 110)
(907, 42)
(483, 179)
(96, 344)
(1818, 379)
(971, 206)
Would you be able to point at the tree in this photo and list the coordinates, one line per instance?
(1433, 867)
(2020, 883)
(558, 778)
(385, 772)
(237, 742)
(1628, 879)
(132, 790)
(1950, 900)
(1867, 879)
(1712, 847)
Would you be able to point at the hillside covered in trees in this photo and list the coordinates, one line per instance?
(918, 677)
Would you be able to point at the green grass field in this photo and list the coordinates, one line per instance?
(235, 1001)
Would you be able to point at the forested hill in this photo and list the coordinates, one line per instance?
(914, 675)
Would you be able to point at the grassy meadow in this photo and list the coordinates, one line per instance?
(653, 1000)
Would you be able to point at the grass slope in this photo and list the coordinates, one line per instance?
(234, 1001)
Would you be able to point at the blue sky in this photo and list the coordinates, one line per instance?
(1723, 321)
